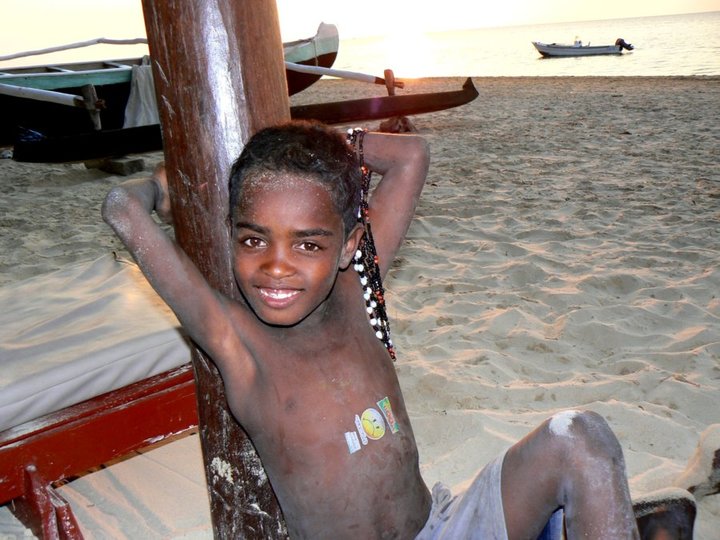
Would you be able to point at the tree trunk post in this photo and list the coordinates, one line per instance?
(219, 77)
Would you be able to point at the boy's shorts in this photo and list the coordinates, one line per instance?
(477, 513)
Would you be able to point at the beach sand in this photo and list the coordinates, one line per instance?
(565, 254)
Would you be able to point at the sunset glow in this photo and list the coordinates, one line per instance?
(404, 23)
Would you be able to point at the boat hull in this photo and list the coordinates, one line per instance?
(118, 142)
(320, 50)
(112, 82)
(376, 108)
(555, 50)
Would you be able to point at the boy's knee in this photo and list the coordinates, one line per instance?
(585, 433)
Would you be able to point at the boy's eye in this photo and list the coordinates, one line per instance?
(309, 246)
(253, 242)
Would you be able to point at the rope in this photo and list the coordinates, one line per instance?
(79, 44)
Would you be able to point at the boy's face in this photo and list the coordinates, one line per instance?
(288, 245)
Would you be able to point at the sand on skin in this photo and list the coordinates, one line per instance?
(564, 255)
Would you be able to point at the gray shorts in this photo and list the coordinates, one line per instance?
(477, 513)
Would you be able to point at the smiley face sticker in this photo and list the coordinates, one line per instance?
(373, 423)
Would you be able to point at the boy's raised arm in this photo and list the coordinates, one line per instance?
(403, 162)
(202, 311)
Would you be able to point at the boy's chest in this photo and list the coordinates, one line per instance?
(337, 446)
(321, 407)
(335, 437)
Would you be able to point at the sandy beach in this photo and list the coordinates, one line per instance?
(565, 254)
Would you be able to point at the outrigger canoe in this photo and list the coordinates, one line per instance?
(376, 108)
(73, 98)
(34, 147)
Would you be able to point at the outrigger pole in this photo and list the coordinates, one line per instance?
(343, 74)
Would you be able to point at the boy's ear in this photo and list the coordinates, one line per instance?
(351, 245)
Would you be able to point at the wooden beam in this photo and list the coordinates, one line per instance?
(60, 98)
(219, 77)
(36, 454)
(344, 74)
(118, 74)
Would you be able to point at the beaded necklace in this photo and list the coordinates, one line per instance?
(365, 261)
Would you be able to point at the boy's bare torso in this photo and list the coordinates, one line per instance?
(327, 417)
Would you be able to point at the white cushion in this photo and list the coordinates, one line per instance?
(79, 332)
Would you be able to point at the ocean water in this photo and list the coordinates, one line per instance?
(665, 45)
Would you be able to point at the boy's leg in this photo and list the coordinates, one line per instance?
(572, 460)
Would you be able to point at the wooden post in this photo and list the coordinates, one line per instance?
(219, 77)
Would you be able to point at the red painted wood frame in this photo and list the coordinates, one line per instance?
(39, 453)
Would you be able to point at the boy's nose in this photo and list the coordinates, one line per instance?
(278, 264)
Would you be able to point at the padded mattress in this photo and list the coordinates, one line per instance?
(80, 332)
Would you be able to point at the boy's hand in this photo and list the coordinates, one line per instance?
(162, 195)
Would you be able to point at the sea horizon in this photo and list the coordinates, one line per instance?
(665, 45)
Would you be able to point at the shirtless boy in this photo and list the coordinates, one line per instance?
(339, 448)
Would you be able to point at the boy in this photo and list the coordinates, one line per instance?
(333, 432)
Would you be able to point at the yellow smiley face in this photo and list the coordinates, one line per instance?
(373, 424)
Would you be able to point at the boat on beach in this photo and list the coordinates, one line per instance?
(578, 49)
(376, 108)
(78, 112)
(72, 98)
(148, 138)
(318, 50)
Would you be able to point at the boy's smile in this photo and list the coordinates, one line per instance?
(288, 245)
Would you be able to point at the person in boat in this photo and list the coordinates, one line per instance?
(306, 356)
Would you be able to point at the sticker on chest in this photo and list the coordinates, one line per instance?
(372, 425)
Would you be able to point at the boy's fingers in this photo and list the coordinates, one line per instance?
(162, 195)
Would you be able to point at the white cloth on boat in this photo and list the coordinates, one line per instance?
(80, 332)
(141, 108)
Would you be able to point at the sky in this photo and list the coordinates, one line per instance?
(382, 17)
(34, 24)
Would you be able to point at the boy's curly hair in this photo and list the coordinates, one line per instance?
(309, 149)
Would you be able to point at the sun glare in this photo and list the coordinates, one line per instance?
(408, 54)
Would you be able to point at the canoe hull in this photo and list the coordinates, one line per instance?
(320, 50)
(118, 142)
(376, 108)
(111, 80)
(53, 119)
